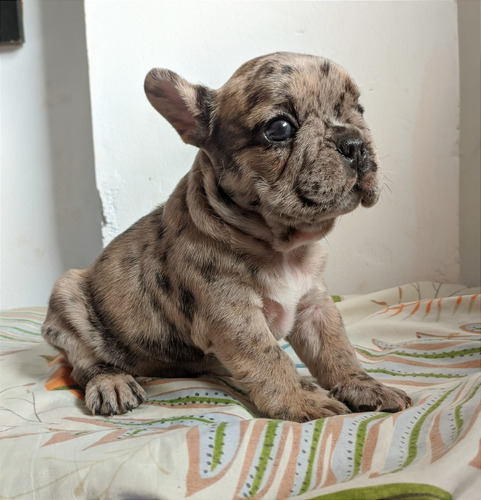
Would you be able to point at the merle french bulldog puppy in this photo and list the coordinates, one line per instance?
(231, 263)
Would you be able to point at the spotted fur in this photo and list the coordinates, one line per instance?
(209, 281)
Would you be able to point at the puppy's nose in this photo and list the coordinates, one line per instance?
(351, 148)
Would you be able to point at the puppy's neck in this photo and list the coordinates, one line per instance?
(219, 216)
(289, 239)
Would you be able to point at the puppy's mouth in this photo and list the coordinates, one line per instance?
(310, 211)
(354, 192)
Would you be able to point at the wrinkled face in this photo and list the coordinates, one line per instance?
(289, 141)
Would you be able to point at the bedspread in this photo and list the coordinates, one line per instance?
(201, 438)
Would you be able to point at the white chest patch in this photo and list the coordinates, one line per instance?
(283, 295)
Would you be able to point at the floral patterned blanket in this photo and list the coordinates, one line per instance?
(203, 439)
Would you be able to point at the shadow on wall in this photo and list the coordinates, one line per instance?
(77, 202)
(469, 14)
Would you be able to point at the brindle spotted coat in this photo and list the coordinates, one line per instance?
(231, 263)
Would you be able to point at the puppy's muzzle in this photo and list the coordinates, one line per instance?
(352, 150)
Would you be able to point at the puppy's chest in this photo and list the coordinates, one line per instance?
(284, 288)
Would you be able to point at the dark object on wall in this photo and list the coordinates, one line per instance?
(11, 22)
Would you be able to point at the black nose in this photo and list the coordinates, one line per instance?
(351, 147)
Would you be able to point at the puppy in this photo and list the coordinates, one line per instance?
(210, 281)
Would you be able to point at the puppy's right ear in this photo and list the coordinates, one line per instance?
(185, 106)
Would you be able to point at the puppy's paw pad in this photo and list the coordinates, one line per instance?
(363, 393)
(113, 394)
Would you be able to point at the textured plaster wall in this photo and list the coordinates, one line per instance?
(404, 55)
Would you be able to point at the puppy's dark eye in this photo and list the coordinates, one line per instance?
(360, 109)
(279, 130)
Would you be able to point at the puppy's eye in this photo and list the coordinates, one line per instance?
(279, 130)
(360, 109)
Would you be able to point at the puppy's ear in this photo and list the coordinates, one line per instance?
(187, 107)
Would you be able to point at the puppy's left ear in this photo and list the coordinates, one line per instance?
(185, 106)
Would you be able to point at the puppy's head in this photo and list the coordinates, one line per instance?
(286, 136)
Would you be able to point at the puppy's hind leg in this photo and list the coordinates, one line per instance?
(68, 328)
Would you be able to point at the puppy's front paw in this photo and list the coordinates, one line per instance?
(309, 403)
(362, 393)
(111, 394)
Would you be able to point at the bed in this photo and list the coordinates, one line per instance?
(201, 438)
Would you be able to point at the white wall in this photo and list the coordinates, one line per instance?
(50, 209)
(404, 55)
